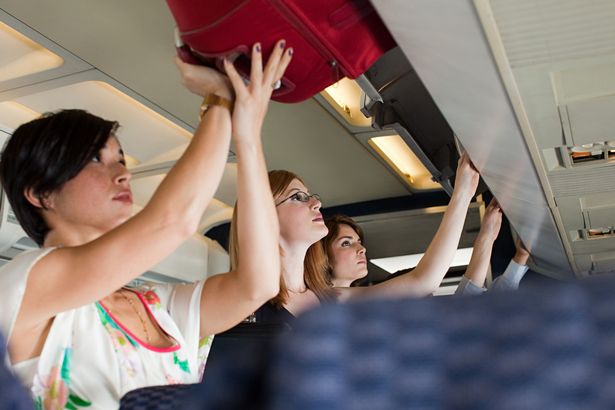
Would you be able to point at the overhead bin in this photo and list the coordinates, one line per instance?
(488, 67)
(397, 100)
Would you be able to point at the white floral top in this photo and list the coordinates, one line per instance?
(89, 360)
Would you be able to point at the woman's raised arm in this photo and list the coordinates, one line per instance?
(428, 274)
(73, 276)
(229, 298)
(483, 246)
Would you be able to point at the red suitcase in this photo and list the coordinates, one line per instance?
(331, 38)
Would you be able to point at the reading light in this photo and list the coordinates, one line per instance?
(20, 56)
(400, 157)
(345, 97)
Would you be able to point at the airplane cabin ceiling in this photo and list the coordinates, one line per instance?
(132, 43)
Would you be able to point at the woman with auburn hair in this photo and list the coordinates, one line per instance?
(315, 286)
(77, 336)
(304, 279)
(347, 254)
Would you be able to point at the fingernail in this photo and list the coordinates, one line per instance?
(290, 51)
(258, 47)
(282, 44)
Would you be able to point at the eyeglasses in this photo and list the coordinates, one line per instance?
(301, 197)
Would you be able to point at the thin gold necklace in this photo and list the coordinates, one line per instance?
(132, 305)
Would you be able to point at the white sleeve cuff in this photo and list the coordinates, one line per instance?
(467, 287)
(514, 271)
(510, 279)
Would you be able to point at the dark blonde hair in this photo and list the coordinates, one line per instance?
(315, 263)
(333, 224)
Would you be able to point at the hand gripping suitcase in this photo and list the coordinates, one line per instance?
(331, 38)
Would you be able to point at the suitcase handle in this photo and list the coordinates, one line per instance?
(238, 56)
(183, 51)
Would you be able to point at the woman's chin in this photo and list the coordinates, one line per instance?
(120, 220)
(322, 231)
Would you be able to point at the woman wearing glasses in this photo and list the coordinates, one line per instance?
(304, 280)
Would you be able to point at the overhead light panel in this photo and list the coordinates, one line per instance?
(397, 263)
(13, 114)
(345, 97)
(131, 161)
(144, 133)
(400, 157)
(20, 56)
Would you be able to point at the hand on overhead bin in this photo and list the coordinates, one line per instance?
(522, 254)
(202, 80)
(492, 221)
(466, 178)
(252, 97)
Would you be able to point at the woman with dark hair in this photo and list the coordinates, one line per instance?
(76, 335)
(304, 282)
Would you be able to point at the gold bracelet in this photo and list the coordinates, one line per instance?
(214, 99)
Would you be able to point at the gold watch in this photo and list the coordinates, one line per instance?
(215, 99)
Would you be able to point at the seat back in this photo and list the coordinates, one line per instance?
(13, 396)
(540, 347)
(234, 378)
(155, 397)
(543, 347)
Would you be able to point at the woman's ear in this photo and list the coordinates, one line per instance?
(42, 202)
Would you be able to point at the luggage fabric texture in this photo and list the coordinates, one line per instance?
(331, 39)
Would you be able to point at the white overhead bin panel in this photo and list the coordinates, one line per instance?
(146, 130)
(529, 87)
(13, 114)
(590, 120)
(445, 42)
(27, 57)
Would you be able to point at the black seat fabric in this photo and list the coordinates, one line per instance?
(13, 396)
(155, 398)
(236, 371)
